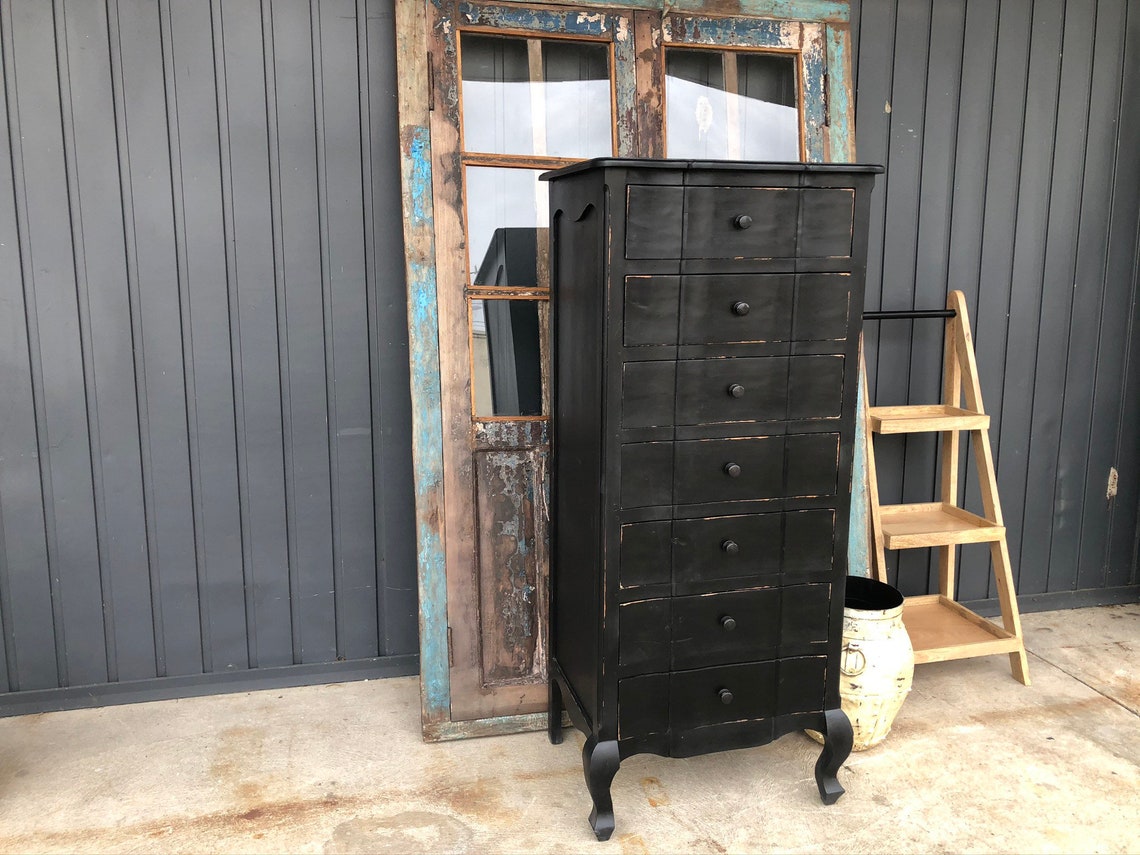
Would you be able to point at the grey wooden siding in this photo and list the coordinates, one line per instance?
(204, 426)
(1010, 134)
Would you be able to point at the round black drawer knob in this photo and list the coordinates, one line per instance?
(730, 546)
(725, 696)
(741, 308)
(742, 221)
(729, 623)
(736, 390)
(732, 470)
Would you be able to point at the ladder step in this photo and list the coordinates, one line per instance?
(923, 418)
(941, 629)
(934, 524)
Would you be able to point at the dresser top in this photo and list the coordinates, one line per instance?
(710, 165)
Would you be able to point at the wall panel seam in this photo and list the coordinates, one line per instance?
(1129, 10)
(1032, 440)
(86, 344)
(327, 318)
(7, 63)
(35, 354)
(186, 327)
(371, 286)
(281, 307)
(138, 362)
(1012, 257)
(233, 320)
(1076, 245)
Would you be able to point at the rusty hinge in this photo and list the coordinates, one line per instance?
(431, 81)
(450, 650)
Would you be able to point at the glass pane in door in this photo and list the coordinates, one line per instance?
(576, 92)
(536, 97)
(507, 215)
(506, 355)
(731, 105)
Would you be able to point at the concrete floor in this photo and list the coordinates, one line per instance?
(976, 763)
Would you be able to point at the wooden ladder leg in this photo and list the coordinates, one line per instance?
(987, 482)
(878, 553)
(951, 397)
(1010, 617)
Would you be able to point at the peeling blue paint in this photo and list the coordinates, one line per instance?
(419, 187)
(840, 132)
(427, 428)
(786, 10)
(732, 31)
(578, 23)
(815, 111)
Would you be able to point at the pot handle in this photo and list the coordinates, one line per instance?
(851, 651)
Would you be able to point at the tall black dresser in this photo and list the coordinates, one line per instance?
(706, 318)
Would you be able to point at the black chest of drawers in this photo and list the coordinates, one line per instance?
(706, 321)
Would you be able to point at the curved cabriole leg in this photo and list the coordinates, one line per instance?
(836, 748)
(600, 761)
(554, 716)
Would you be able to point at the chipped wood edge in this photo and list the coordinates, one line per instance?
(423, 358)
(813, 11)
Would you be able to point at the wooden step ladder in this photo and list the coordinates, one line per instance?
(940, 628)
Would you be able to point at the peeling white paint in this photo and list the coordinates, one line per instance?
(622, 31)
(596, 18)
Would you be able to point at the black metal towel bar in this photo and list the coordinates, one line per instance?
(912, 314)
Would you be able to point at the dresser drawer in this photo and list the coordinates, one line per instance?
(733, 389)
(738, 222)
(714, 629)
(685, 701)
(758, 389)
(764, 307)
(767, 222)
(735, 308)
(678, 633)
(722, 470)
(754, 690)
(726, 693)
(796, 545)
(719, 629)
(717, 470)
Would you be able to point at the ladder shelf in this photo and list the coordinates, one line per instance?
(941, 628)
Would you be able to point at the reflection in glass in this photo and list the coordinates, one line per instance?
(496, 95)
(507, 357)
(577, 96)
(507, 214)
(565, 112)
(731, 105)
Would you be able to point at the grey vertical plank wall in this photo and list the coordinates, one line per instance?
(205, 431)
(1011, 175)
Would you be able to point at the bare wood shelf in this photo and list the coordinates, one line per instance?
(941, 629)
(934, 524)
(924, 418)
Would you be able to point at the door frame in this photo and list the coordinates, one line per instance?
(415, 77)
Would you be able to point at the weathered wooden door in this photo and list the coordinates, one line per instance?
(512, 91)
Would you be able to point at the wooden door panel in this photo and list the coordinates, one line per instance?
(511, 530)
(483, 536)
